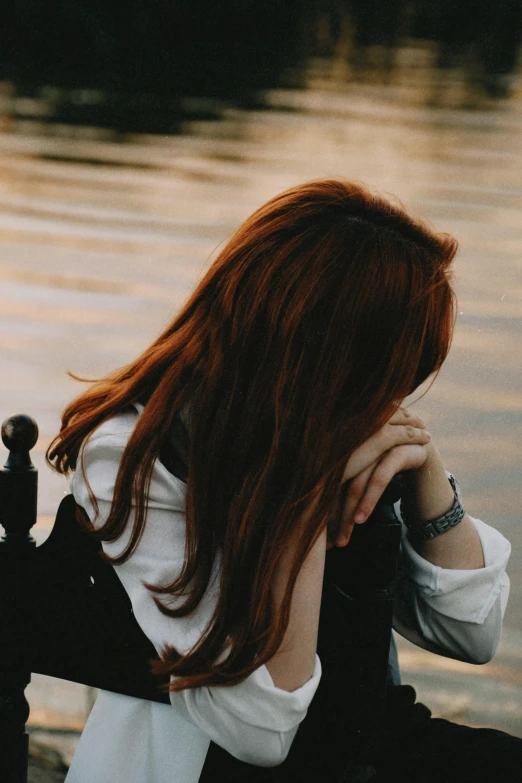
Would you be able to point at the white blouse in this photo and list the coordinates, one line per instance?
(128, 740)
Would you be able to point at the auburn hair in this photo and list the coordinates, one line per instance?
(327, 307)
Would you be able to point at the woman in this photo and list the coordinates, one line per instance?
(278, 385)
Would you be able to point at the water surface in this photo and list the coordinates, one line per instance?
(101, 241)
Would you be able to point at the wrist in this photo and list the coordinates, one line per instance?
(430, 529)
(428, 493)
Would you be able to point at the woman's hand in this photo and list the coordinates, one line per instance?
(401, 444)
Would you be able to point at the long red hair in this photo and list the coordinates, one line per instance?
(327, 306)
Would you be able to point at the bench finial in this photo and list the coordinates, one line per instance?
(18, 481)
(19, 435)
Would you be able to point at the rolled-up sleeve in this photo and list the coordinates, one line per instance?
(255, 721)
(454, 612)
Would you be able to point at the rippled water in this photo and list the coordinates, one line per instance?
(101, 241)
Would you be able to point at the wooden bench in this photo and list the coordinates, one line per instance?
(64, 613)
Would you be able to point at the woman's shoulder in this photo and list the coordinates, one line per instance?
(101, 455)
(117, 428)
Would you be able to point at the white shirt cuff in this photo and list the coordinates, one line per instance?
(466, 595)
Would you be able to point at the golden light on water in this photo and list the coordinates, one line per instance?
(101, 242)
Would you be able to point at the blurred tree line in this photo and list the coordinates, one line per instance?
(138, 53)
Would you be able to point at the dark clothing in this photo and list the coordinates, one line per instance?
(421, 749)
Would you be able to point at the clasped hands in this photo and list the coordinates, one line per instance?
(403, 443)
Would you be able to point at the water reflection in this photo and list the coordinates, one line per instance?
(133, 67)
(101, 241)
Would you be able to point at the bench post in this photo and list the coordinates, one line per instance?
(18, 500)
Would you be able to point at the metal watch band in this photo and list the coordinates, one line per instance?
(435, 527)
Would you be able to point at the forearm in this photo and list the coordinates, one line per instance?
(458, 548)
(294, 662)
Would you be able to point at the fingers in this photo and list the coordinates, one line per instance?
(398, 459)
(366, 489)
(388, 437)
(374, 463)
(354, 495)
(404, 416)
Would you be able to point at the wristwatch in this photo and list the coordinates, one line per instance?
(424, 531)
